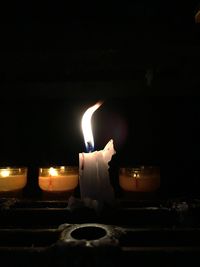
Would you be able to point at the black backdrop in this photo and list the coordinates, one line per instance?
(141, 58)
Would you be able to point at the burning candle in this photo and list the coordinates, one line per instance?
(142, 179)
(58, 179)
(12, 179)
(93, 166)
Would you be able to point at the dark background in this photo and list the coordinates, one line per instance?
(141, 58)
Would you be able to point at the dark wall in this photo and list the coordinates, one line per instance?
(141, 58)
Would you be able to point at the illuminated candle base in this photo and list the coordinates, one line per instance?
(59, 179)
(12, 179)
(143, 179)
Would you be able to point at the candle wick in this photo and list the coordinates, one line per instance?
(89, 147)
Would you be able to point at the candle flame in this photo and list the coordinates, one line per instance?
(87, 126)
(5, 173)
(53, 172)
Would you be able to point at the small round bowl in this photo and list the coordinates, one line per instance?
(58, 179)
(12, 179)
(140, 179)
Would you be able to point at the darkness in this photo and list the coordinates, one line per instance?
(141, 58)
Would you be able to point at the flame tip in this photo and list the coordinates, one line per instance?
(100, 102)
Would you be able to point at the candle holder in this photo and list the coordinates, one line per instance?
(12, 181)
(139, 179)
(58, 181)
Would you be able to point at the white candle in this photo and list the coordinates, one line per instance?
(58, 179)
(12, 179)
(93, 167)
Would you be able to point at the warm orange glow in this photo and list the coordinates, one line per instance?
(12, 179)
(53, 172)
(5, 173)
(143, 179)
(58, 179)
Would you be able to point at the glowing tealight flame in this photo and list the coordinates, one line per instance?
(87, 126)
(5, 173)
(53, 172)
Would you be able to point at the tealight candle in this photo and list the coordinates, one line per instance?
(58, 179)
(142, 179)
(12, 179)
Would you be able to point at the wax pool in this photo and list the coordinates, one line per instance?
(58, 179)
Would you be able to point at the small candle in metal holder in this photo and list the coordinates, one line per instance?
(12, 179)
(140, 179)
(58, 179)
